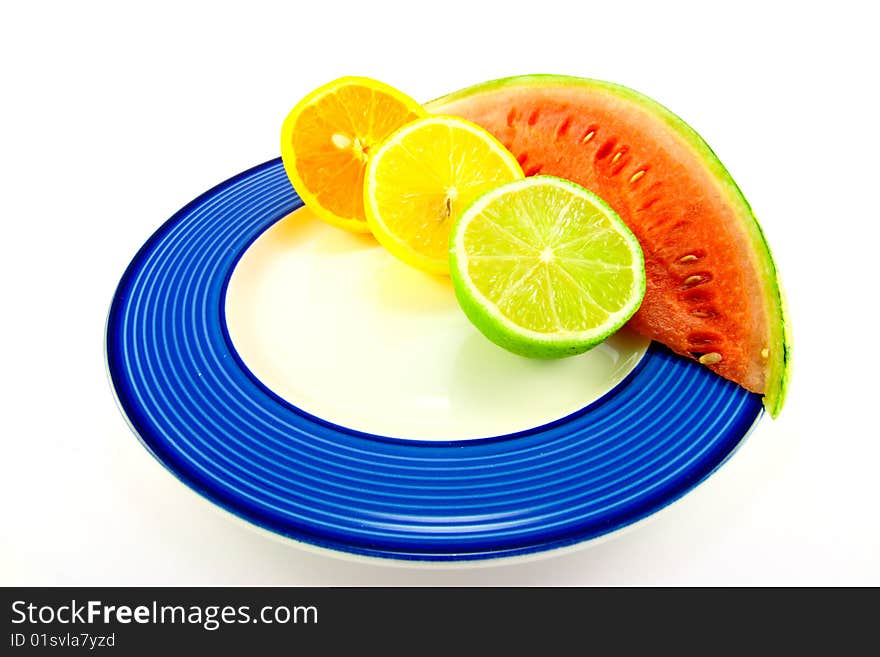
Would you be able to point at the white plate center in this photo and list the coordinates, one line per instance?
(338, 327)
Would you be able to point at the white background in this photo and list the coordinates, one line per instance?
(112, 119)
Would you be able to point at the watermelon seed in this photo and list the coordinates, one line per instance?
(522, 158)
(605, 149)
(511, 115)
(637, 175)
(697, 296)
(696, 279)
(533, 170)
(700, 338)
(688, 258)
(647, 204)
(765, 353)
(616, 157)
(712, 358)
(587, 137)
(703, 312)
(563, 127)
(533, 117)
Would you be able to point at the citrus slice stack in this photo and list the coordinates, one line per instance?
(327, 140)
(420, 179)
(545, 268)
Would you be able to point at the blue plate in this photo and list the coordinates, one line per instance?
(200, 411)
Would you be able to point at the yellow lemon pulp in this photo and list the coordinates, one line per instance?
(420, 180)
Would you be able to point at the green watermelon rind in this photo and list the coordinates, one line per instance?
(489, 320)
(781, 343)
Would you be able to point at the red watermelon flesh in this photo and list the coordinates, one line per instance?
(712, 290)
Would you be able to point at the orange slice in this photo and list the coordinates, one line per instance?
(326, 142)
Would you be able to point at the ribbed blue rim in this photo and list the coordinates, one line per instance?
(212, 423)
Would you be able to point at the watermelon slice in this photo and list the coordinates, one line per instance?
(712, 291)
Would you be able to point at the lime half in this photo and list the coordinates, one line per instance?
(545, 268)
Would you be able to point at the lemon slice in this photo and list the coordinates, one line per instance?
(421, 178)
(545, 268)
(327, 138)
